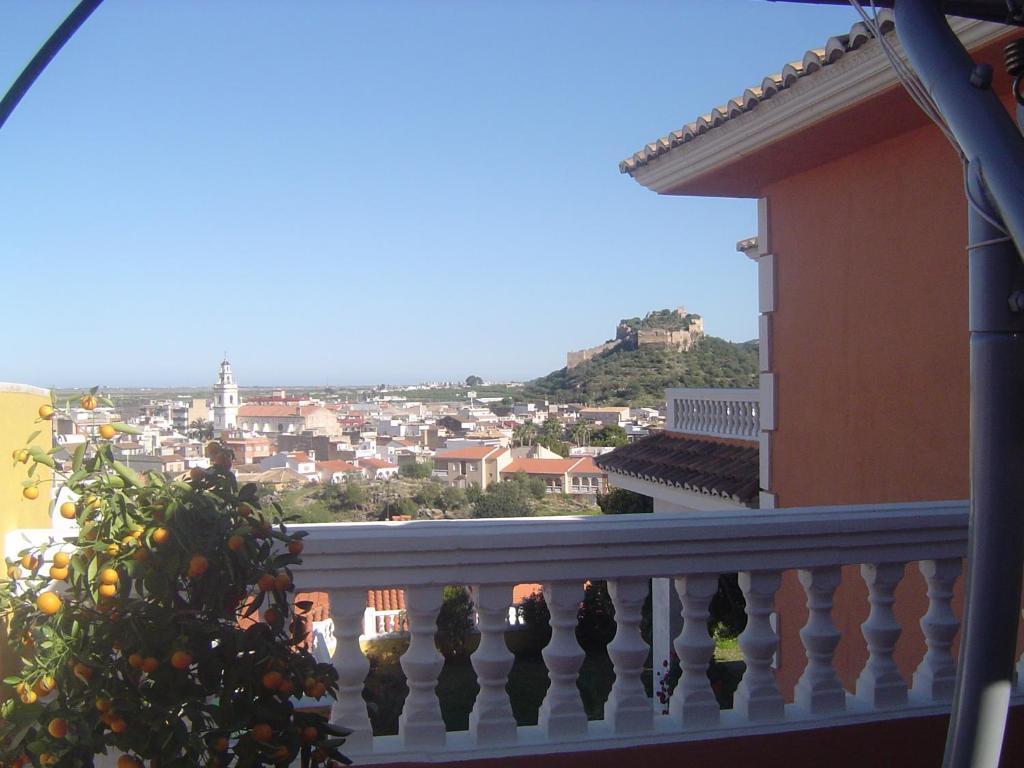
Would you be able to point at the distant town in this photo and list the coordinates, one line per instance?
(381, 453)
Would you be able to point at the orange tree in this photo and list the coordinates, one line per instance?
(138, 634)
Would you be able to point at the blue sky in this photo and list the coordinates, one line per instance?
(364, 192)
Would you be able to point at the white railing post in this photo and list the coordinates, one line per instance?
(880, 684)
(348, 610)
(757, 695)
(628, 709)
(819, 691)
(491, 722)
(935, 676)
(561, 715)
(693, 702)
(420, 724)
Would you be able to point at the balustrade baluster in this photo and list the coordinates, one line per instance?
(693, 702)
(420, 724)
(819, 690)
(628, 708)
(491, 722)
(348, 608)
(935, 676)
(561, 714)
(880, 683)
(758, 696)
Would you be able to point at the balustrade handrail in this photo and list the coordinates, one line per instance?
(716, 412)
(515, 550)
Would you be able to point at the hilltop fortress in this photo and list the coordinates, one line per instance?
(666, 328)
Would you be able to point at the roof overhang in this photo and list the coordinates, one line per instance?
(725, 160)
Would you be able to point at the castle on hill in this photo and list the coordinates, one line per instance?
(666, 328)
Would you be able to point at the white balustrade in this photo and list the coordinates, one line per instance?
(722, 412)
(628, 708)
(421, 724)
(347, 610)
(880, 683)
(819, 690)
(346, 560)
(935, 677)
(757, 695)
(693, 703)
(562, 714)
(491, 721)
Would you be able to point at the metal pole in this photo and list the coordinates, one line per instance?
(995, 151)
(44, 55)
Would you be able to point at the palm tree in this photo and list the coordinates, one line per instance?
(200, 430)
(580, 432)
(525, 433)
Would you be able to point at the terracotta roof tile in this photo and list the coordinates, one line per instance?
(386, 599)
(469, 454)
(813, 61)
(701, 466)
(376, 463)
(540, 466)
(336, 466)
(269, 411)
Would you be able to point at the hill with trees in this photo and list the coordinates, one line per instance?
(640, 376)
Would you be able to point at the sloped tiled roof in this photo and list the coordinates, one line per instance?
(540, 466)
(376, 463)
(468, 454)
(386, 599)
(270, 411)
(586, 466)
(336, 466)
(709, 467)
(813, 61)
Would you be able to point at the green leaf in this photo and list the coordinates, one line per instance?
(128, 474)
(76, 459)
(33, 436)
(42, 457)
(128, 429)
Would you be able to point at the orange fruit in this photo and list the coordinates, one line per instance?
(160, 536)
(103, 705)
(286, 688)
(281, 755)
(282, 581)
(272, 680)
(88, 402)
(244, 510)
(135, 660)
(21, 455)
(197, 566)
(140, 554)
(219, 744)
(181, 660)
(266, 582)
(48, 603)
(310, 734)
(319, 690)
(197, 474)
(127, 761)
(235, 543)
(82, 671)
(29, 697)
(30, 561)
(295, 547)
(46, 411)
(67, 510)
(93, 501)
(262, 732)
(118, 725)
(107, 431)
(150, 664)
(107, 590)
(109, 576)
(61, 559)
(44, 685)
(112, 550)
(31, 493)
(58, 574)
(58, 728)
(272, 615)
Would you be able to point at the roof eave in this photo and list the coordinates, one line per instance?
(851, 80)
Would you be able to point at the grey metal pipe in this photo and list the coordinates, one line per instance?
(995, 150)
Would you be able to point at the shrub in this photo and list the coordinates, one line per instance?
(132, 634)
(419, 470)
(620, 501)
(533, 612)
(455, 622)
(506, 499)
(595, 618)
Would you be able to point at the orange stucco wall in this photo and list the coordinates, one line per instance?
(869, 346)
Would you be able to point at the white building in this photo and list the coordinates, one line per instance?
(225, 399)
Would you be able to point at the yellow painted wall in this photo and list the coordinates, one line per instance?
(19, 418)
